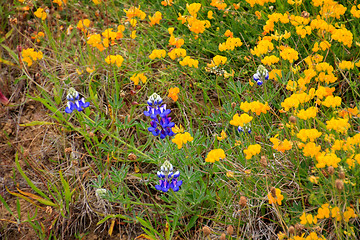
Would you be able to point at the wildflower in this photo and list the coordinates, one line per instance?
(256, 107)
(261, 75)
(219, 4)
(177, 42)
(252, 150)
(38, 36)
(193, 8)
(160, 124)
(290, 54)
(308, 218)
(189, 62)
(223, 136)
(275, 196)
(323, 211)
(96, 41)
(210, 14)
(74, 102)
(242, 122)
(168, 179)
(3, 99)
(230, 44)
(217, 60)
(182, 138)
(275, 74)
(82, 25)
(327, 159)
(270, 60)
(167, 3)
(331, 101)
(340, 125)
(96, 2)
(178, 129)
(155, 19)
(311, 149)
(137, 77)
(314, 179)
(135, 12)
(308, 113)
(133, 34)
(40, 13)
(349, 213)
(346, 65)
(281, 146)
(176, 53)
(173, 93)
(157, 53)
(215, 155)
(114, 59)
(29, 56)
(310, 134)
(335, 213)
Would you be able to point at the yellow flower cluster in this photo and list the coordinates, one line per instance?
(288, 53)
(114, 59)
(302, 31)
(264, 46)
(29, 55)
(323, 46)
(195, 25)
(252, 150)
(106, 38)
(215, 155)
(346, 65)
(222, 136)
(240, 120)
(155, 19)
(327, 159)
(256, 107)
(157, 53)
(177, 42)
(281, 146)
(343, 35)
(310, 149)
(311, 134)
(275, 196)
(308, 113)
(217, 60)
(176, 53)
(82, 25)
(270, 60)
(134, 12)
(275, 18)
(40, 13)
(260, 2)
(275, 73)
(331, 101)
(308, 219)
(219, 4)
(340, 125)
(137, 77)
(188, 61)
(230, 44)
(355, 11)
(182, 138)
(38, 36)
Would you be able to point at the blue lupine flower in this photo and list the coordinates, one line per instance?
(168, 179)
(245, 128)
(160, 124)
(261, 74)
(74, 103)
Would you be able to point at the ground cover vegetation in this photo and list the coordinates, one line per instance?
(180, 119)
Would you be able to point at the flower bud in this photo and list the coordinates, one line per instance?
(132, 157)
(331, 170)
(206, 230)
(230, 230)
(341, 174)
(291, 230)
(223, 236)
(292, 119)
(339, 184)
(243, 201)
(263, 161)
(233, 104)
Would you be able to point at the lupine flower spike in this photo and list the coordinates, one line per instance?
(74, 102)
(168, 179)
(160, 124)
(3, 99)
(261, 75)
(244, 129)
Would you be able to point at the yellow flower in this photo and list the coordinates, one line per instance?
(40, 13)
(173, 93)
(270, 60)
(335, 213)
(340, 125)
(331, 101)
(311, 149)
(346, 65)
(176, 53)
(240, 120)
(349, 213)
(182, 138)
(290, 54)
(223, 136)
(133, 34)
(308, 218)
(155, 19)
(114, 59)
(167, 2)
(310, 134)
(29, 56)
(188, 61)
(137, 77)
(215, 155)
(323, 211)
(134, 12)
(96, 2)
(177, 129)
(157, 53)
(256, 107)
(210, 14)
(252, 150)
(275, 196)
(281, 146)
(217, 60)
(327, 159)
(193, 8)
(314, 179)
(308, 113)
